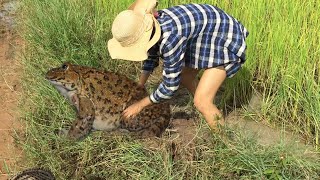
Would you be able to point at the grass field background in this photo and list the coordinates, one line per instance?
(283, 64)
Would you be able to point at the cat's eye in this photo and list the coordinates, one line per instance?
(64, 66)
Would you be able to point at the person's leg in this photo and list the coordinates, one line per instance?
(189, 80)
(208, 86)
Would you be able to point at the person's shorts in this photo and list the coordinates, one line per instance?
(232, 68)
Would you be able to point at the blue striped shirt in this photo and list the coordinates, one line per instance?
(200, 36)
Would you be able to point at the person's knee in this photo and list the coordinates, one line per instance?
(200, 103)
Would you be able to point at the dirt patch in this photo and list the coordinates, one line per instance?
(10, 89)
(182, 136)
(179, 139)
(264, 134)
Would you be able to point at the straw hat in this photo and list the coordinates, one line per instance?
(132, 30)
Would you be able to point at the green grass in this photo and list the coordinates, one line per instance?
(283, 65)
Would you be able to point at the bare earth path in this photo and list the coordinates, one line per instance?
(9, 91)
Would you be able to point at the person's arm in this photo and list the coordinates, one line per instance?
(149, 65)
(143, 78)
(173, 54)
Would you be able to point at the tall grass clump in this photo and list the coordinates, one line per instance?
(282, 65)
(286, 61)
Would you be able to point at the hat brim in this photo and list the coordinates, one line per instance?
(137, 51)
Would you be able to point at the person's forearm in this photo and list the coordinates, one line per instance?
(145, 102)
(143, 78)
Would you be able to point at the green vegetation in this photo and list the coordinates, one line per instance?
(283, 65)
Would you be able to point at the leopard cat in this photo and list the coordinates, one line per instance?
(101, 96)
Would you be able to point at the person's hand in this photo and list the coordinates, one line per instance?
(133, 110)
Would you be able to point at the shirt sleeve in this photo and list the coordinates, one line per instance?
(153, 59)
(173, 51)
